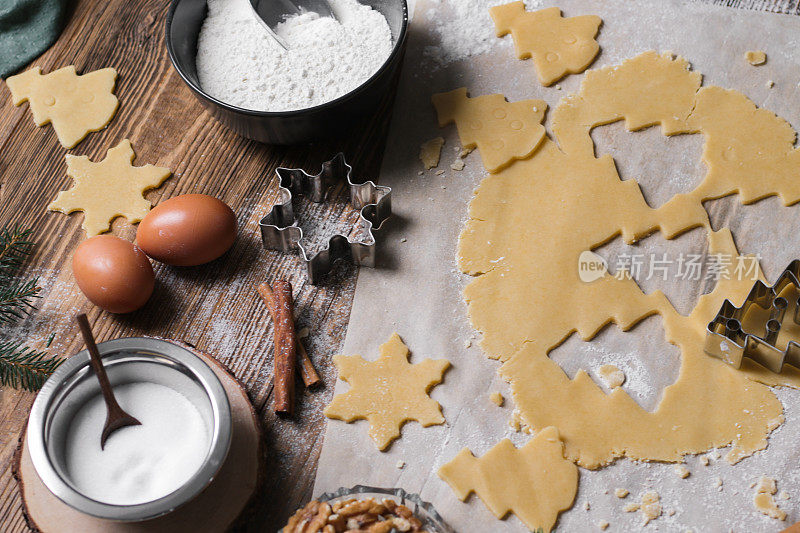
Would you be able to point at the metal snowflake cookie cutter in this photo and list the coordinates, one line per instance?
(279, 229)
(726, 340)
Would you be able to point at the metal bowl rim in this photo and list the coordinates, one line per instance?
(397, 49)
(218, 448)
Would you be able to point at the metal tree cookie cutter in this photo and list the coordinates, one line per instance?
(279, 229)
(726, 339)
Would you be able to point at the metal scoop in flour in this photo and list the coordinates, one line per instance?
(272, 12)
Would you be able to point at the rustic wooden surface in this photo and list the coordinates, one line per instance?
(214, 307)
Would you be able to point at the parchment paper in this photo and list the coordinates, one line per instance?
(416, 291)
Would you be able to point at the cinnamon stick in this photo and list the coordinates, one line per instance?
(307, 370)
(285, 342)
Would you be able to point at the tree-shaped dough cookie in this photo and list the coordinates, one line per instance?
(534, 482)
(501, 130)
(558, 45)
(388, 392)
(108, 189)
(75, 105)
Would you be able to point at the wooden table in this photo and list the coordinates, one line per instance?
(213, 307)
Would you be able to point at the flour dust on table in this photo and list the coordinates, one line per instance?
(462, 29)
(240, 63)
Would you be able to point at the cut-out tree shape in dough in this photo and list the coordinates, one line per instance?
(501, 130)
(75, 105)
(388, 392)
(535, 482)
(557, 45)
(108, 189)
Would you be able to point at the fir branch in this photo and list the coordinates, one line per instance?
(16, 299)
(14, 247)
(22, 367)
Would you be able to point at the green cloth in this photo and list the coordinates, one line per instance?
(27, 29)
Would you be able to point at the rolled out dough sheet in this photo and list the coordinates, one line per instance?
(416, 291)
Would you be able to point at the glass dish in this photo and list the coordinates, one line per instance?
(432, 522)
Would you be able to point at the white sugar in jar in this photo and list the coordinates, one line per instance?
(139, 463)
(144, 471)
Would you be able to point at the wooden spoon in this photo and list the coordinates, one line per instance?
(116, 417)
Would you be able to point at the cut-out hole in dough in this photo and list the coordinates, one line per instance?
(755, 225)
(640, 155)
(649, 362)
(683, 284)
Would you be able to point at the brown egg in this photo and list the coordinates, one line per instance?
(113, 273)
(187, 230)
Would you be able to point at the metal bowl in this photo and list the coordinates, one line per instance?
(126, 360)
(184, 20)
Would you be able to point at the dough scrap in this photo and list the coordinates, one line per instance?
(501, 130)
(74, 104)
(612, 376)
(534, 482)
(531, 299)
(108, 189)
(430, 152)
(755, 57)
(682, 471)
(557, 45)
(388, 392)
(458, 164)
(764, 500)
(497, 399)
(650, 506)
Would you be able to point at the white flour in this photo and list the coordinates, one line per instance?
(238, 62)
(464, 28)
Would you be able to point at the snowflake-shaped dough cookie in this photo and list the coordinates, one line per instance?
(108, 189)
(388, 392)
(558, 45)
(75, 105)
